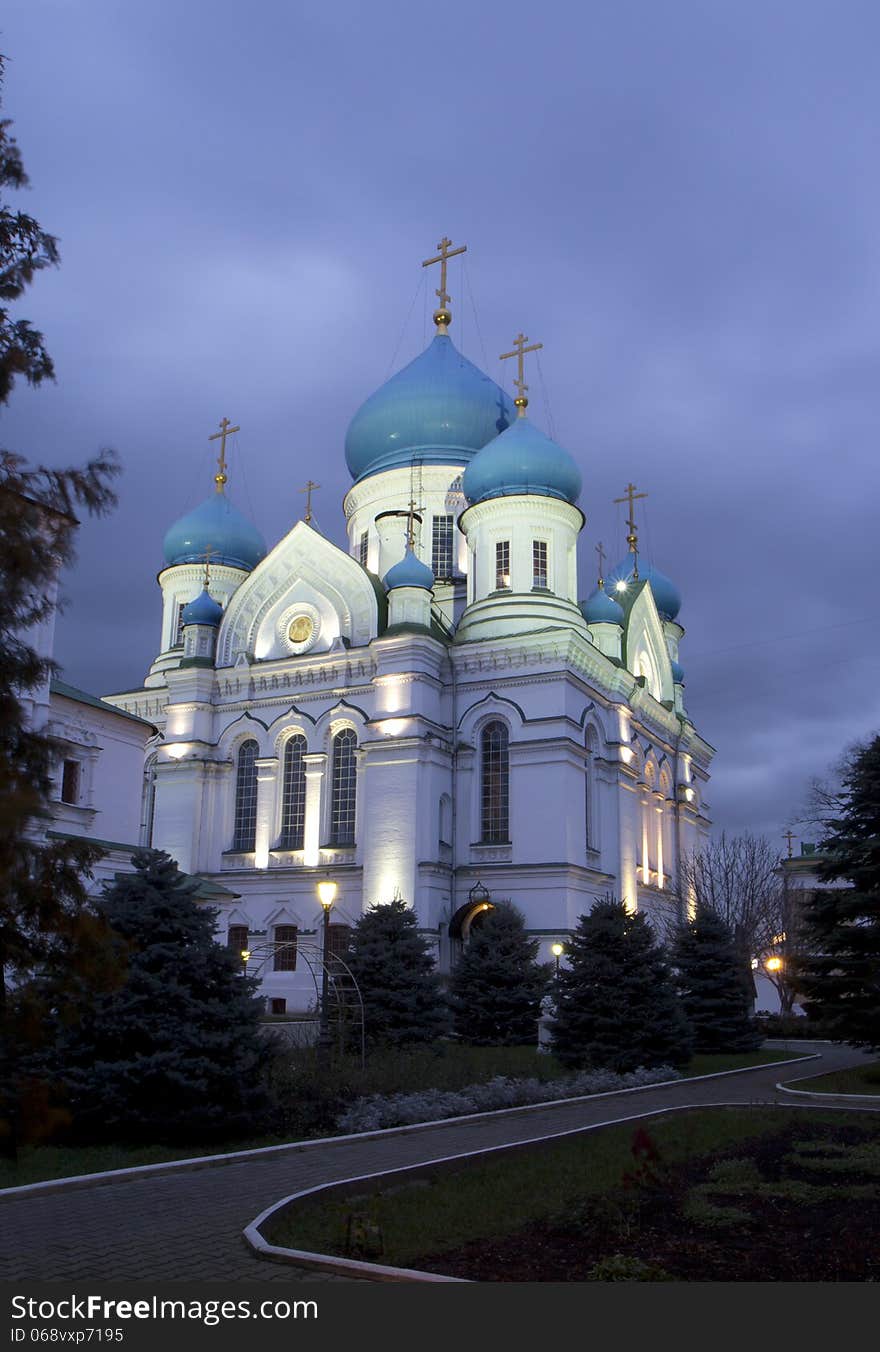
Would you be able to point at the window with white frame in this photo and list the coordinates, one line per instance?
(343, 793)
(540, 575)
(502, 565)
(71, 778)
(495, 783)
(245, 830)
(441, 546)
(293, 795)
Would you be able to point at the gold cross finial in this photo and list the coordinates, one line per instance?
(601, 552)
(789, 836)
(519, 351)
(309, 490)
(226, 430)
(208, 552)
(630, 495)
(411, 524)
(442, 317)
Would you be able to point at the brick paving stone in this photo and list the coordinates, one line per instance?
(188, 1225)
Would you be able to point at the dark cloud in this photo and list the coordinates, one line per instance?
(680, 200)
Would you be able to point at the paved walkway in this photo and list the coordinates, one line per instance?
(188, 1225)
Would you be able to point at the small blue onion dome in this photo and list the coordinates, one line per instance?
(217, 525)
(521, 460)
(203, 610)
(409, 572)
(666, 595)
(677, 672)
(440, 409)
(602, 609)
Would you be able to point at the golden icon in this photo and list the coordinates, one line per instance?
(300, 630)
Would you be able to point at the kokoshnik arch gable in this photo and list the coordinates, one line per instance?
(431, 710)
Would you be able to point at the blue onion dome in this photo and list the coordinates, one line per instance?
(440, 409)
(203, 610)
(602, 609)
(666, 595)
(217, 525)
(522, 460)
(677, 672)
(409, 572)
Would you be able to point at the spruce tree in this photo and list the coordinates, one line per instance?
(173, 1051)
(496, 988)
(839, 974)
(44, 900)
(712, 986)
(617, 1007)
(395, 973)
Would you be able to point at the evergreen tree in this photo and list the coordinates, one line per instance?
(616, 1004)
(44, 903)
(394, 970)
(496, 988)
(173, 1051)
(25, 248)
(839, 976)
(712, 986)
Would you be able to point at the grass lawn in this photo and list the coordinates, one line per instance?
(498, 1218)
(858, 1080)
(444, 1066)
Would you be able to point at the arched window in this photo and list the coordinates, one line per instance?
(293, 795)
(590, 826)
(245, 831)
(495, 798)
(344, 788)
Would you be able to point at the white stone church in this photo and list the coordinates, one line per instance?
(431, 714)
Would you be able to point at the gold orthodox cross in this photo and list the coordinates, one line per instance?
(630, 495)
(308, 490)
(208, 552)
(442, 317)
(519, 351)
(789, 836)
(225, 431)
(411, 524)
(601, 552)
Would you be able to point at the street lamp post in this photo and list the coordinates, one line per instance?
(557, 950)
(326, 896)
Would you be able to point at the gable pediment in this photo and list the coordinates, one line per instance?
(644, 646)
(307, 596)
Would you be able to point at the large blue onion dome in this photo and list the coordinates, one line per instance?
(677, 672)
(409, 572)
(522, 460)
(440, 409)
(203, 610)
(666, 595)
(217, 525)
(602, 609)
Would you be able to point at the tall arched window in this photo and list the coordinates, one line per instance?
(590, 825)
(293, 795)
(495, 797)
(343, 799)
(245, 830)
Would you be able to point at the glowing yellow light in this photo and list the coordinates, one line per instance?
(557, 950)
(626, 754)
(773, 964)
(327, 892)
(245, 955)
(620, 586)
(178, 750)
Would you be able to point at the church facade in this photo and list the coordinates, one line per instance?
(430, 714)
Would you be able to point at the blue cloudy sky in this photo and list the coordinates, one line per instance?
(679, 198)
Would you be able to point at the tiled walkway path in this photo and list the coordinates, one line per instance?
(188, 1224)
